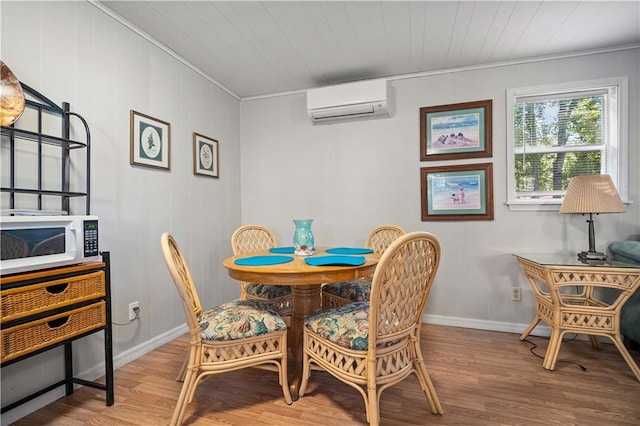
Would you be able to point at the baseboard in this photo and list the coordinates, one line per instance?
(93, 373)
(504, 327)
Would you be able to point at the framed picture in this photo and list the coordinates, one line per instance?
(457, 192)
(150, 142)
(205, 156)
(455, 131)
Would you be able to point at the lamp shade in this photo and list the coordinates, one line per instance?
(591, 194)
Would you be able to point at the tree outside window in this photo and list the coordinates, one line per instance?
(557, 134)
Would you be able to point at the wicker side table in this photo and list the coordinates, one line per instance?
(568, 300)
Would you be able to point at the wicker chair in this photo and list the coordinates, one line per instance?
(342, 293)
(13, 247)
(250, 238)
(374, 345)
(219, 340)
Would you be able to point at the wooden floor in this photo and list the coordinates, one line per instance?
(481, 377)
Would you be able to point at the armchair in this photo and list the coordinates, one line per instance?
(629, 252)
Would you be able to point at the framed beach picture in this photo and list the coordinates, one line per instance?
(150, 142)
(205, 156)
(457, 192)
(455, 131)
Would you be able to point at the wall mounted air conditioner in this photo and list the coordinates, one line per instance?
(348, 101)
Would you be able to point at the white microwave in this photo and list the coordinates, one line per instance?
(30, 243)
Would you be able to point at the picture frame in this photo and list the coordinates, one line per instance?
(456, 131)
(150, 141)
(460, 192)
(205, 156)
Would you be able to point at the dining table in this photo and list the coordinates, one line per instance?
(306, 282)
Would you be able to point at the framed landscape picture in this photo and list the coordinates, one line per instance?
(205, 156)
(456, 131)
(150, 142)
(457, 192)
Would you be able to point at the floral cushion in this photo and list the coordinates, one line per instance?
(266, 291)
(241, 319)
(357, 290)
(347, 326)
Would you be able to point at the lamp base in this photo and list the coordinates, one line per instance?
(592, 255)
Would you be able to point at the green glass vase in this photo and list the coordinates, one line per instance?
(303, 241)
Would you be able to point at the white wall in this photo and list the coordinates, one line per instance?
(349, 177)
(353, 176)
(73, 52)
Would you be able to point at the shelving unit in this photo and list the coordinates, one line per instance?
(52, 307)
(41, 105)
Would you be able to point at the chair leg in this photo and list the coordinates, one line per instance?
(306, 368)
(282, 369)
(190, 381)
(425, 381)
(372, 404)
(183, 369)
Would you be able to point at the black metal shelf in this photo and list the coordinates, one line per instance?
(41, 138)
(43, 192)
(13, 136)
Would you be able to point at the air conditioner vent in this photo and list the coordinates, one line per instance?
(348, 101)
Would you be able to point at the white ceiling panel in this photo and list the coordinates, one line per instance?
(255, 48)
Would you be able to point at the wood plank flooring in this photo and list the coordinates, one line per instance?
(481, 377)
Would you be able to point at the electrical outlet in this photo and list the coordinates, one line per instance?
(133, 307)
(516, 294)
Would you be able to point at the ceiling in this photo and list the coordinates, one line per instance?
(255, 48)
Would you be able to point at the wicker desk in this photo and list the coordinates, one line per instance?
(50, 308)
(569, 300)
(306, 282)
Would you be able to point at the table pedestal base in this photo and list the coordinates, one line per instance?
(306, 301)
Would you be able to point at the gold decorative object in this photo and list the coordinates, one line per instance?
(11, 97)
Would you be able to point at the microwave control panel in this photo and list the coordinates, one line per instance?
(90, 238)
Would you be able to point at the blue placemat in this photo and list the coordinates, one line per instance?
(262, 260)
(349, 250)
(282, 250)
(335, 260)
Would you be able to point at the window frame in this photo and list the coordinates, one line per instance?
(618, 149)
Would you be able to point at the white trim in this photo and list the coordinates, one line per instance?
(160, 45)
(93, 373)
(618, 169)
(111, 13)
(504, 327)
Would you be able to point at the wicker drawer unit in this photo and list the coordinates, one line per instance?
(32, 299)
(26, 338)
(46, 309)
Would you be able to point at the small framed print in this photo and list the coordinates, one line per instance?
(150, 142)
(463, 192)
(205, 156)
(456, 131)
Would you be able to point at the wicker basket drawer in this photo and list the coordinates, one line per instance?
(20, 302)
(26, 338)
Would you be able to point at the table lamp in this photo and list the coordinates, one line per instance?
(592, 194)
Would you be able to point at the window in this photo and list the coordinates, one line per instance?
(559, 131)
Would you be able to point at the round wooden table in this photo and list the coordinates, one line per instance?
(305, 281)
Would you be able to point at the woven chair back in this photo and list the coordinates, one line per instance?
(400, 287)
(182, 279)
(13, 247)
(250, 238)
(382, 237)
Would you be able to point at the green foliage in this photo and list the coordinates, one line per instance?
(557, 124)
